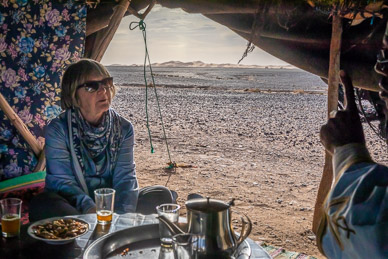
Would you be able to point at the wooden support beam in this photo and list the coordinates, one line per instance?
(20, 126)
(41, 165)
(98, 19)
(104, 36)
(213, 7)
(146, 12)
(332, 104)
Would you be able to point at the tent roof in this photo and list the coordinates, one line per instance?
(297, 32)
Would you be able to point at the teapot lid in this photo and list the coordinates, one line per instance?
(208, 205)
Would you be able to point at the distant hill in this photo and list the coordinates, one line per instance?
(202, 64)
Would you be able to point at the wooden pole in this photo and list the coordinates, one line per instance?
(20, 126)
(105, 35)
(146, 12)
(213, 7)
(332, 104)
(41, 165)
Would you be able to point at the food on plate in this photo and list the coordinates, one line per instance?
(125, 252)
(60, 229)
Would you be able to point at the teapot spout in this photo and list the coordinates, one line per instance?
(170, 225)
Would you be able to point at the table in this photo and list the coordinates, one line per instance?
(28, 247)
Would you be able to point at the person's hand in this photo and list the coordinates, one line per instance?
(344, 127)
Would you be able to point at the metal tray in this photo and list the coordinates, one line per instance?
(143, 242)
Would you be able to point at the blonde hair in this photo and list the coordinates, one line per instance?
(77, 74)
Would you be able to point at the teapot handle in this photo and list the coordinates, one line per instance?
(245, 229)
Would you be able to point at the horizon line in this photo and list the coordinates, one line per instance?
(201, 62)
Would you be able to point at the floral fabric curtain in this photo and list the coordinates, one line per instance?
(38, 39)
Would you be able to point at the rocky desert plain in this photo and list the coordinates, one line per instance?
(261, 148)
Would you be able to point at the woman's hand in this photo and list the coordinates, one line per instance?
(344, 127)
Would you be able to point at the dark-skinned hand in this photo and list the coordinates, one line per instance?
(344, 127)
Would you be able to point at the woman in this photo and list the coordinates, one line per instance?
(90, 146)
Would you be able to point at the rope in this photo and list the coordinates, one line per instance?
(250, 47)
(366, 117)
(142, 26)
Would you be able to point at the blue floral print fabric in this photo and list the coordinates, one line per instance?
(38, 39)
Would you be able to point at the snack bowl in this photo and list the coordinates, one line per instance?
(56, 222)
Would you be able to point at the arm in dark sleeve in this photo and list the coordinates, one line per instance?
(355, 215)
(60, 177)
(124, 176)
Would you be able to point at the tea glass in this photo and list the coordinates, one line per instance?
(166, 253)
(185, 246)
(10, 219)
(104, 198)
(171, 212)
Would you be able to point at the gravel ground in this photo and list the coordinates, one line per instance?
(261, 148)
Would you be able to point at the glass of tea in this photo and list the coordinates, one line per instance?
(171, 212)
(105, 199)
(185, 246)
(10, 216)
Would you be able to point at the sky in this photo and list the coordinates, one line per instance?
(174, 35)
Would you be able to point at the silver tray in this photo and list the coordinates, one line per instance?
(143, 242)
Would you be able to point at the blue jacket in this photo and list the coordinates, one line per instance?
(355, 218)
(61, 177)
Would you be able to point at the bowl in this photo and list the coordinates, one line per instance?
(62, 241)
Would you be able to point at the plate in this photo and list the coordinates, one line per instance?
(30, 231)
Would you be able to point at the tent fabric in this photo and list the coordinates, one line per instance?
(38, 39)
(28, 181)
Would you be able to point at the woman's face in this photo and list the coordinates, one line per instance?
(94, 104)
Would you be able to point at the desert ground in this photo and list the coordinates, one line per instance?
(262, 149)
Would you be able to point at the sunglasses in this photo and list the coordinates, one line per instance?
(94, 86)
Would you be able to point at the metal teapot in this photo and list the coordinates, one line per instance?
(211, 220)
